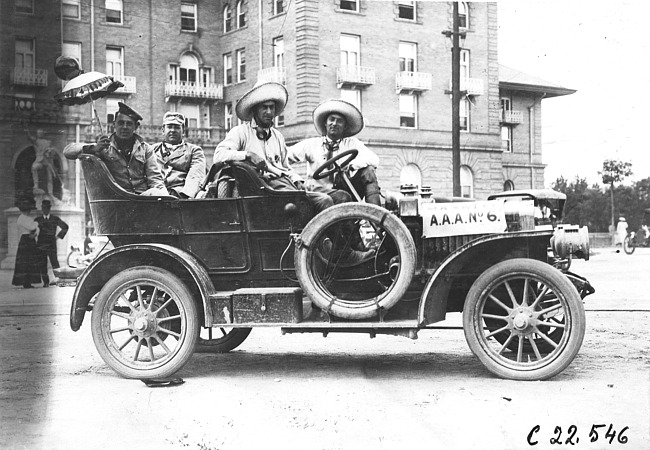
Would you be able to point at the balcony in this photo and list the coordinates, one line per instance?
(470, 86)
(128, 82)
(192, 89)
(411, 82)
(200, 136)
(355, 76)
(510, 116)
(276, 74)
(28, 77)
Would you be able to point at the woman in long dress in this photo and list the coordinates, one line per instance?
(27, 270)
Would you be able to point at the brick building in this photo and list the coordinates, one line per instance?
(199, 57)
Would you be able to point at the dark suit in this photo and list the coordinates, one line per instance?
(47, 241)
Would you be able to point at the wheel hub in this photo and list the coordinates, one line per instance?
(144, 324)
(522, 320)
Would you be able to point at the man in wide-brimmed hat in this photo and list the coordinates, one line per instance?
(338, 121)
(257, 142)
(127, 156)
(183, 164)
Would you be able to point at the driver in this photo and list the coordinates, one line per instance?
(337, 121)
(256, 141)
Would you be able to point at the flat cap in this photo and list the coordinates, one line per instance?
(128, 111)
(174, 117)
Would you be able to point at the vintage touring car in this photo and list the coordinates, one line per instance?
(198, 274)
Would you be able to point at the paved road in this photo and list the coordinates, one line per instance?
(346, 391)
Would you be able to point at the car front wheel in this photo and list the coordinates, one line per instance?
(524, 320)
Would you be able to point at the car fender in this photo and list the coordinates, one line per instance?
(446, 289)
(177, 261)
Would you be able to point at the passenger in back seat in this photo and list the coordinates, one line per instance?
(183, 164)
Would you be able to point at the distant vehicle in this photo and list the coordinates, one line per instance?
(639, 238)
(249, 256)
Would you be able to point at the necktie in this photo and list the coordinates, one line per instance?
(332, 147)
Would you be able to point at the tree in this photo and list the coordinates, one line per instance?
(614, 171)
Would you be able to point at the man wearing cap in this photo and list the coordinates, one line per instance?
(128, 158)
(257, 142)
(183, 164)
(337, 121)
(47, 235)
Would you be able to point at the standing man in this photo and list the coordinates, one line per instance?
(183, 164)
(47, 235)
(257, 142)
(128, 158)
(337, 121)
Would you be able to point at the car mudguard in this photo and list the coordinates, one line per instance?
(446, 289)
(177, 261)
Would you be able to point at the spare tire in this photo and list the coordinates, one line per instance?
(388, 272)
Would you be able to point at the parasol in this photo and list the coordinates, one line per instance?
(86, 88)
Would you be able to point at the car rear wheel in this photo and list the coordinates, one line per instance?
(355, 288)
(628, 245)
(221, 339)
(524, 320)
(145, 323)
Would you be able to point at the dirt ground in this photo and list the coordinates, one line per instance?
(340, 392)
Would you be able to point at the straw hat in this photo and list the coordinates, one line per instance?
(352, 115)
(261, 92)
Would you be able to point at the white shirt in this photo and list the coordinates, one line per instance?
(243, 138)
(314, 152)
(26, 225)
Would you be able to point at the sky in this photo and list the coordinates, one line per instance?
(601, 49)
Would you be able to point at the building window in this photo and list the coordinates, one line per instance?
(464, 115)
(406, 10)
(25, 53)
(463, 15)
(71, 9)
(111, 109)
(464, 64)
(408, 57)
(278, 7)
(192, 114)
(186, 71)
(227, 116)
(407, 111)
(278, 52)
(410, 174)
(25, 6)
(227, 69)
(466, 182)
(279, 120)
(188, 17)
(241, 15)
(349, 5)
(227, 19)
(72, 49)
(241, 65)
(115, 61)
(114, 10)
(352, 96)
(508, 186)
(506, 139)
(350, 49)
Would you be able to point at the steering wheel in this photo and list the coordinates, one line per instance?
(320, 172)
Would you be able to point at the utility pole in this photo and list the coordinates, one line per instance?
(455, 35)
(455, 103)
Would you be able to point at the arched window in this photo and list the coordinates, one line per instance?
(463, 15)
(241, 15)
(466, 182)
(227, 19)
(410, 174)
(508, 186)
(189, 67)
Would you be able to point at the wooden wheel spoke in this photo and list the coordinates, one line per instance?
(500, 303)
